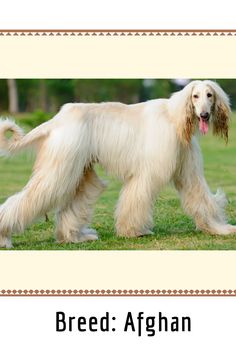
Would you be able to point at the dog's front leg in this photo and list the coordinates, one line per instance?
(5, 236)
(135, 207)
(197, 200)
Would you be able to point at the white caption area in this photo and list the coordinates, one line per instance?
(28, 324)
(106, 14)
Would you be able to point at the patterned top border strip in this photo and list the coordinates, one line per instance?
(117, 292)
(113, 32)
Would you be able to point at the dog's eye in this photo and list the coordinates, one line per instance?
(209, 95)
(195, 96)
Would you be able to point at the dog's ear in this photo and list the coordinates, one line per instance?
(183, 113)
(220, 112)
(186, 114)
(188, 123)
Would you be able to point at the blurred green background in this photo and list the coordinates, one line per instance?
(47, 95)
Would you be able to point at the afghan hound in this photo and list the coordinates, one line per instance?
(146, 145)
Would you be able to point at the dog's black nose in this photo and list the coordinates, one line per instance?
(205, 115)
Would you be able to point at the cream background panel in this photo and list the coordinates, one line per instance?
(117, 270)
(117, 56)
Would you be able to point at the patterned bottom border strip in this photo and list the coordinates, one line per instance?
(115, 293)
(121, 32)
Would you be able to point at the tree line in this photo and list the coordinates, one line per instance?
(29, 95)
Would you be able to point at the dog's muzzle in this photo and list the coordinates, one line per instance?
(205, 116)
(203, 122)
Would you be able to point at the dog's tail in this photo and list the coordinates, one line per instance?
(7, 145)
(18, 140)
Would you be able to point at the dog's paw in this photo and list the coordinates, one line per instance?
(134, 234)
(148, 232)
(87, 237)
(5, 243)
(231, 229)
(74, 236)
(225, 229)
(86, 230)
(87, 234)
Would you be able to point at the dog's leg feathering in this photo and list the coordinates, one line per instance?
(134, 209)
(197, 200)
(39, 196)
(73, 219)
(43, 192)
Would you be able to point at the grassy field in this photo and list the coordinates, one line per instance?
(173, 229)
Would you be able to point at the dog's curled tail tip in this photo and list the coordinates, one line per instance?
(7, 145)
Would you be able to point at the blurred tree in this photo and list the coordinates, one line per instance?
(29, 93)
(43, 104)
(59, 92)
(3, 95)
(91, 90)
(229, 86)
(12, 96)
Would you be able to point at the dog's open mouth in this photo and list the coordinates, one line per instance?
(203, 126)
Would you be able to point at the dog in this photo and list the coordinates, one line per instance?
(147, 145)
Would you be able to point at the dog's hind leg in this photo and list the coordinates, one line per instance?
(197, 200)
(134, 208)
(74, 218)
(50, 186)
(17, 212)
(37, 198)
(60, 164)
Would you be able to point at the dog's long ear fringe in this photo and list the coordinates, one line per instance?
(221, 121)
(221, 112)
(188, 128)
(182, 111)
(7, 144)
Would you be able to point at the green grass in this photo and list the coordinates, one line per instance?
(173, 229)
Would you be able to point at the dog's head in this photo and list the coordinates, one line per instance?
(206, 105)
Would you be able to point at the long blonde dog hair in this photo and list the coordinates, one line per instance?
(146, 145)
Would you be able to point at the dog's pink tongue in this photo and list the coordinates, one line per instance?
(203, 126)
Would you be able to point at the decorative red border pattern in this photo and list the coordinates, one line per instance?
(118, 32)
(117, 293)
